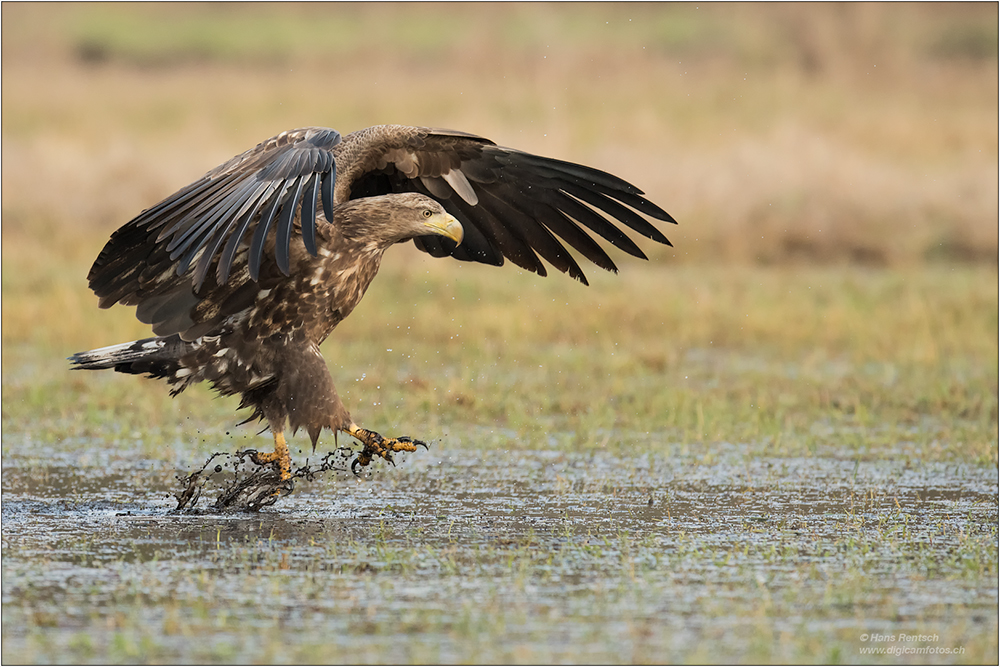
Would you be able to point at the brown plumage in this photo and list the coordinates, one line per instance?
(245, 272)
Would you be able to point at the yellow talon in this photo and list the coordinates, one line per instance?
(280, 454)
(377, 445)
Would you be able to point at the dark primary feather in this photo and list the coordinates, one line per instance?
(522, 204)
(217, 211)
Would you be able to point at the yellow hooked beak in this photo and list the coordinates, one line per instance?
(444, 224)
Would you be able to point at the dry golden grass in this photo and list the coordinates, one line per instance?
(857, 133)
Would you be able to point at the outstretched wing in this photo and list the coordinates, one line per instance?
(227, 213)
(216, 232)
(512, 204)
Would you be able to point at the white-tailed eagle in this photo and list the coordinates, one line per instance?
(245, 272)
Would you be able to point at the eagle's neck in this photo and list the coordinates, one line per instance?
(339, 278)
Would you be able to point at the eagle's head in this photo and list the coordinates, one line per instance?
(389, 219)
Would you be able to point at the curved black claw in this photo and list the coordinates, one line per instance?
(362, 459)
(252, 453)
(418, 443)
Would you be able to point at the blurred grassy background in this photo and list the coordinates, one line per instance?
(863, 133)
(858, 137)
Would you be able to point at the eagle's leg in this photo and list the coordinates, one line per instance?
(279, 455)
(376, 445)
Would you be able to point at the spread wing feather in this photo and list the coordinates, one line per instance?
(204, 224)
(513, 205)
(285, 225)
(209, 248)
(311, 192)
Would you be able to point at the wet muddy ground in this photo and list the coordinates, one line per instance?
(520, 556)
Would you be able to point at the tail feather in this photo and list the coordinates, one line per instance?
(159, 357)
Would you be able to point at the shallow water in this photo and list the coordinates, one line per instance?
(522, 556)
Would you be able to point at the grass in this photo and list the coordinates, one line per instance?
(789, 359)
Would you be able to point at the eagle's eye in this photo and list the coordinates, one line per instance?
(427, 213)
